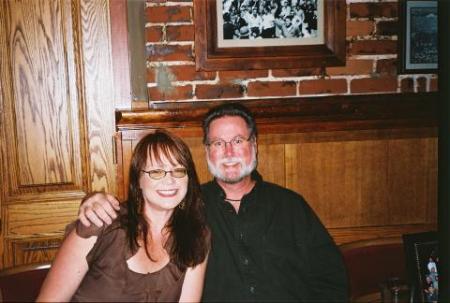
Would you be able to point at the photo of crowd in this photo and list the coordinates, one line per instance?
(269, 19)
(431, 284)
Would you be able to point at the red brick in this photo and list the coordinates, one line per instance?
(434, 85)
(151, 75)
(323, 86)
(372, 10)
(180, 33)
(407, 85)
(170, 53)
(388, 28)
(172, 93)
(370, 85)
(304, 72)
(359, 28)
(154, 34)
(230, 76)
(387, 66)
(373, 47)
(188, 73)
(215, 91)
(421, 84)
(168, 14)
(352, 67)
(261, 89)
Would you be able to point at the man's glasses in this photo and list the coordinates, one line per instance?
(220, 144)
(158, 174)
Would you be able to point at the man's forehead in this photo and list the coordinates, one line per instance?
(233, 125)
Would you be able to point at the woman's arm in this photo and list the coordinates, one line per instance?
(193, 283)
(68, 269)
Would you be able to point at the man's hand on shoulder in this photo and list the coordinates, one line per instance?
(98, 208)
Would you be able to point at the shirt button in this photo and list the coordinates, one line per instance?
(241, 236)
(245, 261)
(252, 289)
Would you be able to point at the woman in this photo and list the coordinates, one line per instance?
(156, 249)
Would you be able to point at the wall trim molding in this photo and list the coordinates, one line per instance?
(330, 113)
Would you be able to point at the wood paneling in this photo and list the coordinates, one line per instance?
(57, 119)
(45, 218)
(99, 92)
(119, 49)
(41, 120)
(21, 252)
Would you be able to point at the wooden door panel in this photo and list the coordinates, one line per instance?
(56, 119)
(29, 251)
(28, 219)
(42, 121)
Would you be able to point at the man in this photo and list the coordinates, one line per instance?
(267, 243)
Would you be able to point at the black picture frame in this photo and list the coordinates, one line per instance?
(418, 37)
(422, 264)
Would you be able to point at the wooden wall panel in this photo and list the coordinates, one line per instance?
(199, 156)
(350, 174)
(271, 163)
(413, 180)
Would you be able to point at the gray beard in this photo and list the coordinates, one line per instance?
(246, 171)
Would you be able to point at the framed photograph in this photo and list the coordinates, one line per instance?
(422, 263)
(418, 36)
(264, 34)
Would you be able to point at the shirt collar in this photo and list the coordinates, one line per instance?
(255, 175)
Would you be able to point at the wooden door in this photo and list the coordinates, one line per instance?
(56, 120)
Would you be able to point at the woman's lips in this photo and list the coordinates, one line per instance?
(167, 193)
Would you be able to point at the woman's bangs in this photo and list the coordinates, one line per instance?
(167, 151)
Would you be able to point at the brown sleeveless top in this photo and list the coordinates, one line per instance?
(110, 279)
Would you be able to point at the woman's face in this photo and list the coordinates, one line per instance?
(165, 193)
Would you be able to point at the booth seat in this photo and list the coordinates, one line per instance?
(22, 283)
(369, 264)
(372, 263)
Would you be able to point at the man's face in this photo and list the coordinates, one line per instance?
(231, 163)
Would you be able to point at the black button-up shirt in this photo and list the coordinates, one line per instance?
(274, 249)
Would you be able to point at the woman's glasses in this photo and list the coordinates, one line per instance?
(158, 174)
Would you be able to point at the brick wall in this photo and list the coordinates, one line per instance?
(372, 28)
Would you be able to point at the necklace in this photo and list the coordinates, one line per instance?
(232, 200)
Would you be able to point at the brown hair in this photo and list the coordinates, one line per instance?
(188, 240)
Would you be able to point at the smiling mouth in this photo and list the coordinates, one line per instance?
(230, 164)
(167, 193)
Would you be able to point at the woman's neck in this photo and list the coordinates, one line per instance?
(157, 219)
